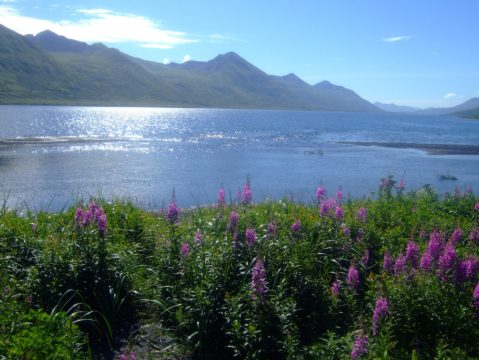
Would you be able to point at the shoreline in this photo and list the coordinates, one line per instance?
(431, 149)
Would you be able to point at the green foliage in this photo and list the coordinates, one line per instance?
(71, 282)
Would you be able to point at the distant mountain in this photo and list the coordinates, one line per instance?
(51, 69)
(465, 106)
(395, 108)
(470, 114)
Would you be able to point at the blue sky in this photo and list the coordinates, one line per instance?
(411, 52)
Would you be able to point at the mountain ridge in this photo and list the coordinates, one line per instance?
(66, 71)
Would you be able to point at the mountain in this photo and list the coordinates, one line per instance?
(465, 106)
(470, 114)
(395, 108)
(28, 73)
(51, 69)
(336, 97)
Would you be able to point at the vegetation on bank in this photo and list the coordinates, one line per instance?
(393, 277)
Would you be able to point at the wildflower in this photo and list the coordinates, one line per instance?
(472, 267)
(400, 187)
(339, 196)
(380, 312)
(272, 228)
(247, 196)
(296, 227)
(320, 194)
(476, 207)
(365, 258)
(250, 237)
(221, 197)
(332, 203)
(426, 261)
(387, 262)
(447, 260)
(198, 238)
(352, 278)
(461, 269)
(360, 347)
(346, 230)
(412, 253)
(172, 214)
(456, 236)
(475, 297)
(474, 234)
(335, 288)
(235, 240)
(422, 234)
(34, 227)
(129, 355)
(362, 214)
(435, 244)
(339, 213)
(400, 265)
(324, 208)
(233, 221)
(386, 183)
(79, 217)
(102, 223)
(258, 280)
(185, 249)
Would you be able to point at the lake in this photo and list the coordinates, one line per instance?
(52, 155)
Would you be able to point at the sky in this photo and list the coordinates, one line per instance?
(422, 53)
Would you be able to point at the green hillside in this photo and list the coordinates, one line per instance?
(50, 69)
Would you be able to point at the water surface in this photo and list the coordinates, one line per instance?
(49, 156)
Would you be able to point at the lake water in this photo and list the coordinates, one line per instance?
(49, 156)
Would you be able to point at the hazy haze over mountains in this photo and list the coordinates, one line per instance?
(51, 69)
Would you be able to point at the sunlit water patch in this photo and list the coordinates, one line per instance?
(50, 155)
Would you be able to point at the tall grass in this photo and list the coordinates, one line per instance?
(391, 277)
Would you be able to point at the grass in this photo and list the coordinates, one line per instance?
(198, 285)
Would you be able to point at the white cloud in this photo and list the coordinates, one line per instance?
(166, 61)
(8, 1)
(99, 25)
(221, 39)
(397, 38)
(156, 46)
(449, 95)
(186, 58)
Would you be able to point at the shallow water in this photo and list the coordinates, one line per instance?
(49, 156)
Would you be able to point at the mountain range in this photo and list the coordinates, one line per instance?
(50, 69)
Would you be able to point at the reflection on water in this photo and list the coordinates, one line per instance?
(49, 155)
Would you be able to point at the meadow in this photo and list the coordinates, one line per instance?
(391, 276)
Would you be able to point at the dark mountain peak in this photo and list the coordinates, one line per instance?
(50, 41)
(293, 79)
(229, 58)
(326, 85)
(48, 34)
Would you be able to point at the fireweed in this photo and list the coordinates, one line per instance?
(360, 347)
(221, 197)
(250, 236)
(380, 312)
(216, 291)
(258, 280)
(352, 278)
(362, 214)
